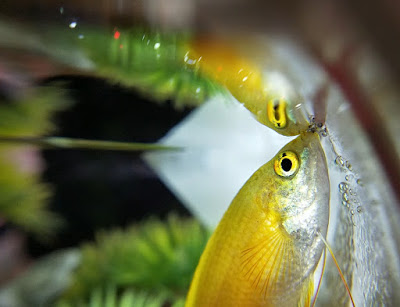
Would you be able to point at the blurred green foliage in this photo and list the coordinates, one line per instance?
(23, 198)
(155, 63)
(30, 115)
(155, 258)
(127, 298)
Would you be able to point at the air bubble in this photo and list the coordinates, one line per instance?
(324, 133)
(360, 182)
(344, 203)
(73, 24)
(352, 192)
(349, 166)
(352, 212)
(343, 186)
(349, 177)
(339, 161)
(345, 197)
(359, 209)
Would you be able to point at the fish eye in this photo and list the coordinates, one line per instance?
(286, 164)
(276, 112)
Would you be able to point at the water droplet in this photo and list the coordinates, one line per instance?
(339, 161)
(359, 209)
(73, 24)
(156, 46)
(360, 182)
(349, 166)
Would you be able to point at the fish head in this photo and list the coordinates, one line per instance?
(297, 194)
(284, 115)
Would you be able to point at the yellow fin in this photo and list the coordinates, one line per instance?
(267, 263)
(307, 293)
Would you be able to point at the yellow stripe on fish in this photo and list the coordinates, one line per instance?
(266, 248)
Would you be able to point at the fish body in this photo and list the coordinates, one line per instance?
(266, 247)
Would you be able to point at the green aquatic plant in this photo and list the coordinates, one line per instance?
(30, 114)
(157, 64)
(153, 62)
(154, 257)
(23, 198)
(109, 297)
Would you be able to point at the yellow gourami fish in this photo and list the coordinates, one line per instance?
(246, 83)
(267, 246)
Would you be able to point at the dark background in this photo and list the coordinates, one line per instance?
(100, 189)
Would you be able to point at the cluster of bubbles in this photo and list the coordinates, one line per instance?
(343, 164)
(348, 188)
(317, 127)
